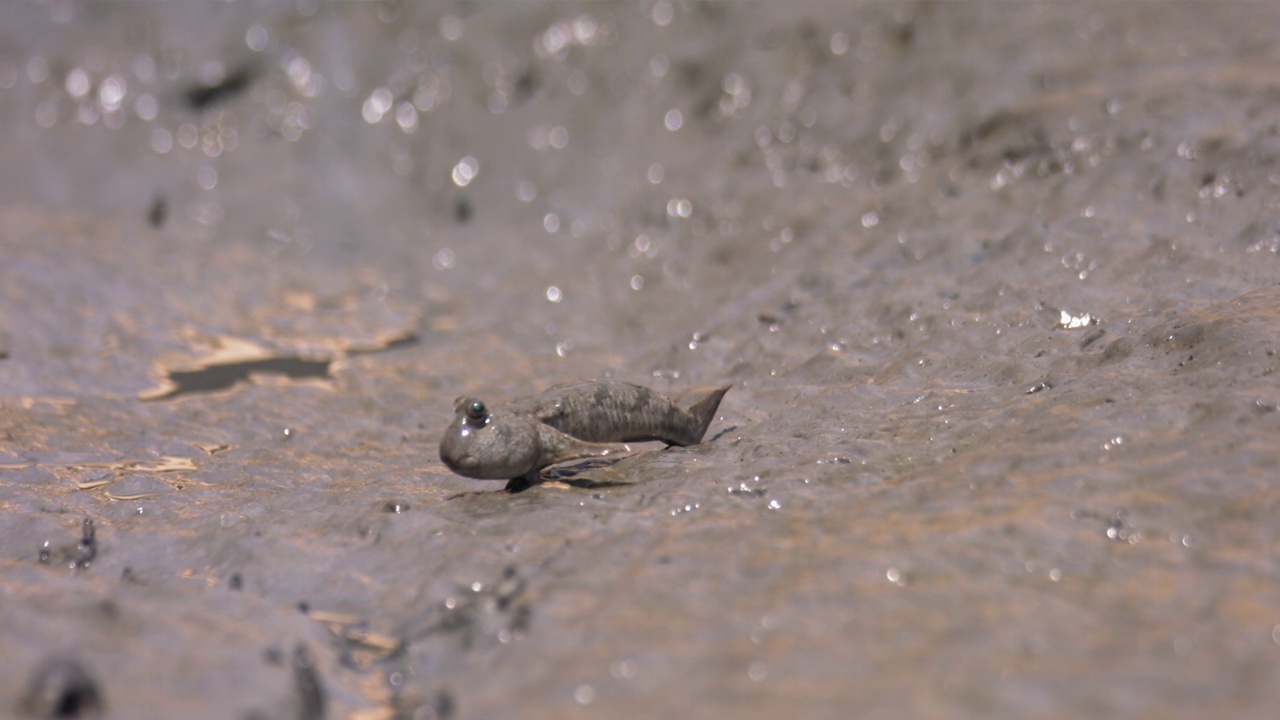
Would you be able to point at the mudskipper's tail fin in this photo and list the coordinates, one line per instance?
(704, 411)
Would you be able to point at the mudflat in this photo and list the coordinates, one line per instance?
(995, 285)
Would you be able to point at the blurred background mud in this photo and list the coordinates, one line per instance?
(996, 285)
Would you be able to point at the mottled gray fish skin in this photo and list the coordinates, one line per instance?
(568, 422)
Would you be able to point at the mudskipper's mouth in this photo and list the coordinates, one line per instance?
(459, 464)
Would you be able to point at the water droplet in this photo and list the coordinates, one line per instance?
(659, 65)
(626, 669)
(77, 83)
(161, 141)
(147, 107)
(407, 117)
(256, 38)
(839, 43)
(465, 171)
(207, 177)
(443, 259)
(526, 191)
(46, 115)
(37, 70)
(377, 105)
(663, 13)
(451, 28)
(673, 120)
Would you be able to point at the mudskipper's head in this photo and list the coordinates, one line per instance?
(488, 445)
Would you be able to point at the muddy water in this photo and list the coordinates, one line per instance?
(996, 286)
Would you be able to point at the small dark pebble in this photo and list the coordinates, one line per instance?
(1092, 338)
(158, 212)
(444, 705)
(520, 619)
(462, 211)
(526, 84)
(62, 688)
(347, 659)
(273, 656)
(235, 582)
(508, 588)
(306, 685)
(1040, 386)
(76, 556)
(304, 607)
(200, 97)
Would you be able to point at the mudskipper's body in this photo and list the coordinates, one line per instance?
(516, 440)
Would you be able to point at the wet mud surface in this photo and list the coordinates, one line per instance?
(995, 286)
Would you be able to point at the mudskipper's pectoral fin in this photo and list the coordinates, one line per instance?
(557, 447)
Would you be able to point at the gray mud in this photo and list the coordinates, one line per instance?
(995, 284)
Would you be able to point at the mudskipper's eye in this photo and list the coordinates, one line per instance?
(476, 411)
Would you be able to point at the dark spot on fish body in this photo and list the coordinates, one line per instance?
(235, 582)
(639, 402)
(601, 395)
